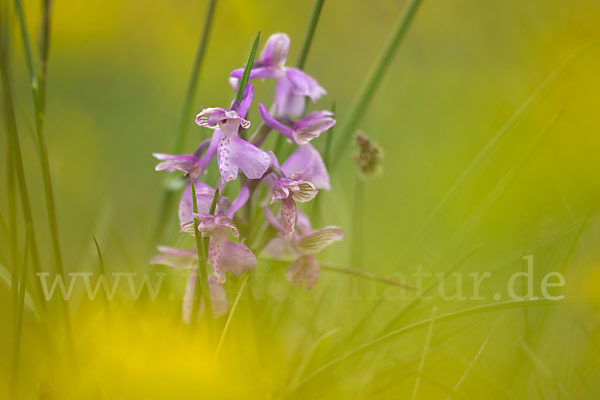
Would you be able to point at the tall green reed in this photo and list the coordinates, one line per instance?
(16, 171)
(361, 103)
(186, 110)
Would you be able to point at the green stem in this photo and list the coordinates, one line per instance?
(357, 223)
(408, 328)
(228, 322)
(38, 85)
(20, 288)
(190, 94)
(310, 33)
(202, 290)
(357, 111)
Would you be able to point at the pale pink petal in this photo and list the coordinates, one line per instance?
(276, 247)
(303, 223)
(244, 106)
(306, 163)
(288, 102)
(303, 84)
(306, 133)
(239, 201)
(204, 196)
(275, 50)
(238, 258)
(304, 272)
(175, 258)
(274, 124)
(218, 297)
(188, 297)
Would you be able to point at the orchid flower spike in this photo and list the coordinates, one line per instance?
(302, 131)
(292, 86)
(222, 253)
(233, 153)
(188, 260)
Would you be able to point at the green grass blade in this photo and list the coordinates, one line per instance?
(408, 328)
(464, 375)
(424, 354)
(16, 167)
(38, 85)
(310, 33)
(228, 322)
(190, 93)
(202, 272)
(247, 69)
(186, 114)
(365, 96)
(490, 146)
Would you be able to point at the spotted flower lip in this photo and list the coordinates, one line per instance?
(223, 254)
(302, 131)
(290, 191)
(292, 84)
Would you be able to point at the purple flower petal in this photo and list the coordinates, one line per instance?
(244, 106)
(225, 255)
(235, 153)
(175, 258)
(288, 102)
(204, 196)
(239, 201)
(186, 162)
(307, 131)
(303, 84)
(272, 219)
(304, 272)
(306, 163)
(276, 247)
(218, 298)
(256, 73)
(274, 124)
(275, 50)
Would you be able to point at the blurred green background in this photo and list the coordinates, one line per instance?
(458, 180)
